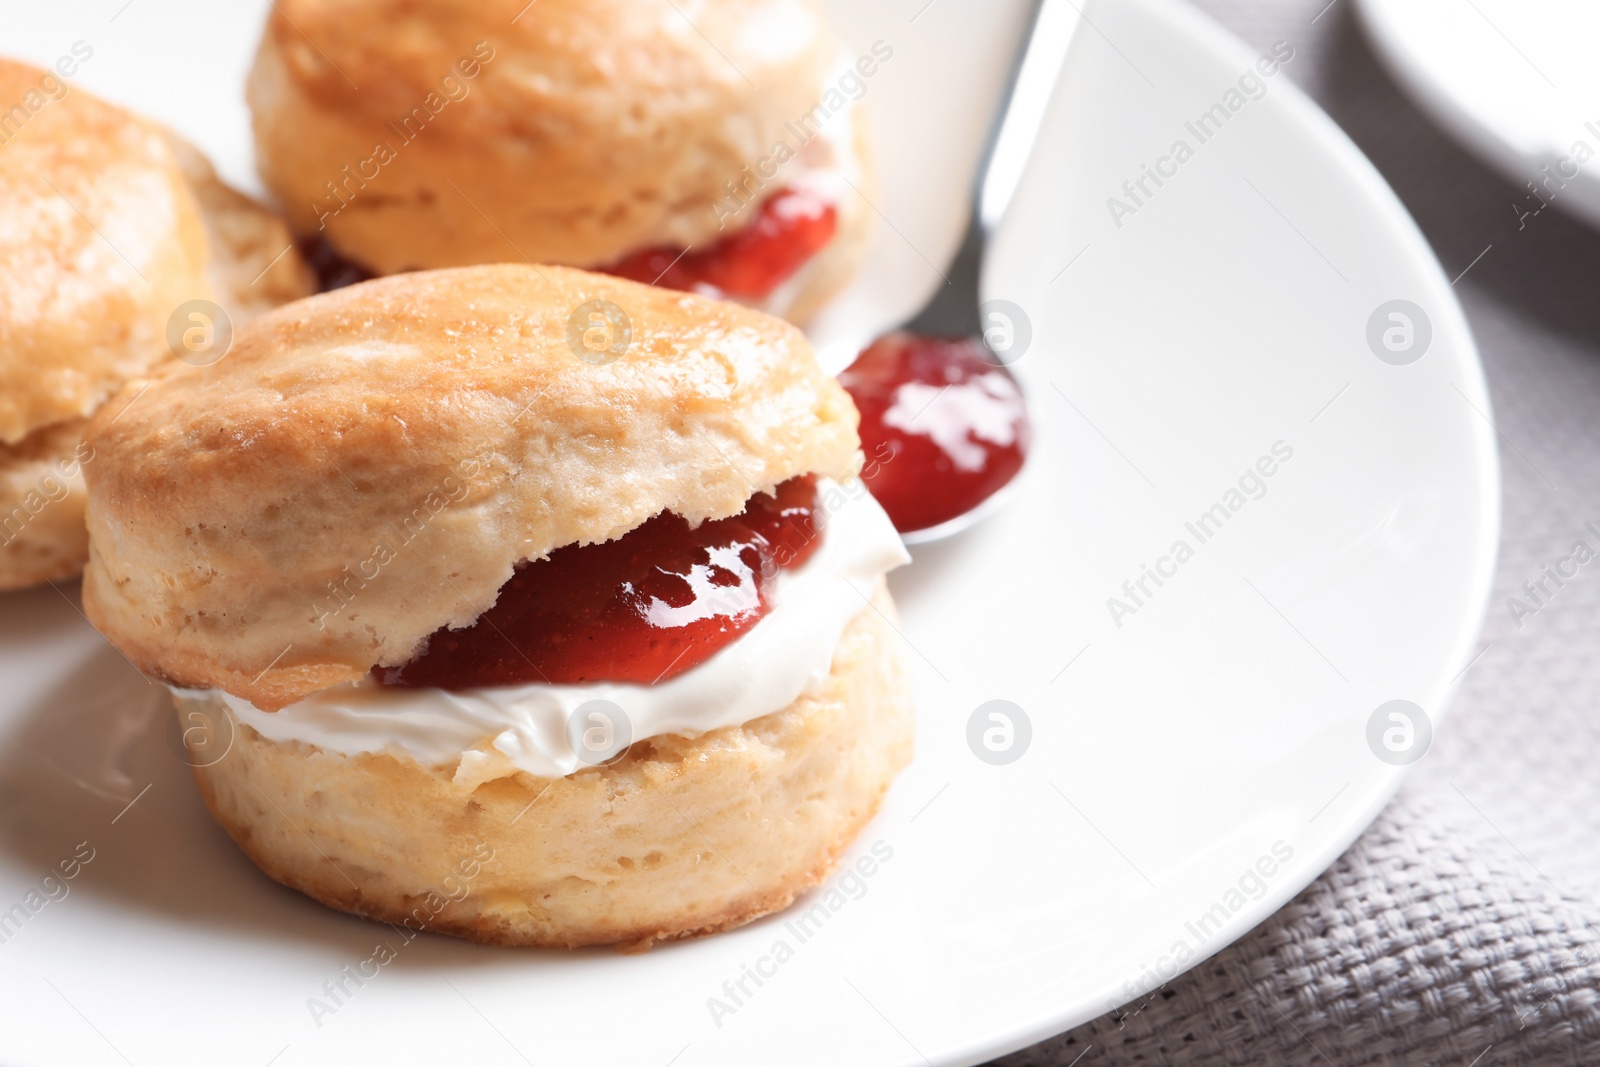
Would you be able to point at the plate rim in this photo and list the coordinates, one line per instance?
(1206, 32)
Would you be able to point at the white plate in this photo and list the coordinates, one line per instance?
(1514, 80)
(1171, 757)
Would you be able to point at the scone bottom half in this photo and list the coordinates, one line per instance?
(234, 496)
(680, 837)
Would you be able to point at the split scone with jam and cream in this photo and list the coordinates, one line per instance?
(515, 561)
(721, 151)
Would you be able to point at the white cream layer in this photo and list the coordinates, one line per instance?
(533, 727)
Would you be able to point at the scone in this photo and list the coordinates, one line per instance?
(716, 150)
(524, 604)
(104, 234)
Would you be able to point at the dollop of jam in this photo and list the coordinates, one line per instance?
(943, 428)
(651, 604)
(789, 227)
(332, 269)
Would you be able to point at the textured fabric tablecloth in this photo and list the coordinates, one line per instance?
(1461, 928)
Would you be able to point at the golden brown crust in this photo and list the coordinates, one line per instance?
(42, 498)
(103, 240)
(107, 221)
(588, 129)
(42, 491)
(368, 465)
(681, 837)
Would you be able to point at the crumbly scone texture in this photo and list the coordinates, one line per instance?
(587, 129)
(255, 265)
(102, 240)
(368, 465)
(42, 500)
(681, 837)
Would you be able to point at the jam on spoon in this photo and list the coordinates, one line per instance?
(789, 227)
(946, 427)
(941, 415)
(651, 604)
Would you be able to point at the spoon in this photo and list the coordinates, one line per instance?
(956, 310)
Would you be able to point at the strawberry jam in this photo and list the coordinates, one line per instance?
(332, 269)
(789, 228)
(649, 605)
(947, 428)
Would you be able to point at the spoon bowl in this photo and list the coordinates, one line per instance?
(956, 310)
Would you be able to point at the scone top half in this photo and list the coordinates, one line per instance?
(100, 240)
(436, 133)
(421, 435)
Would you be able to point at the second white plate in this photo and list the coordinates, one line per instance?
(1514, 80)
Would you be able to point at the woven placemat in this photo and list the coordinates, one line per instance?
(1461, 928)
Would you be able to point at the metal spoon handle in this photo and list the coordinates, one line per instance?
(953, 310)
